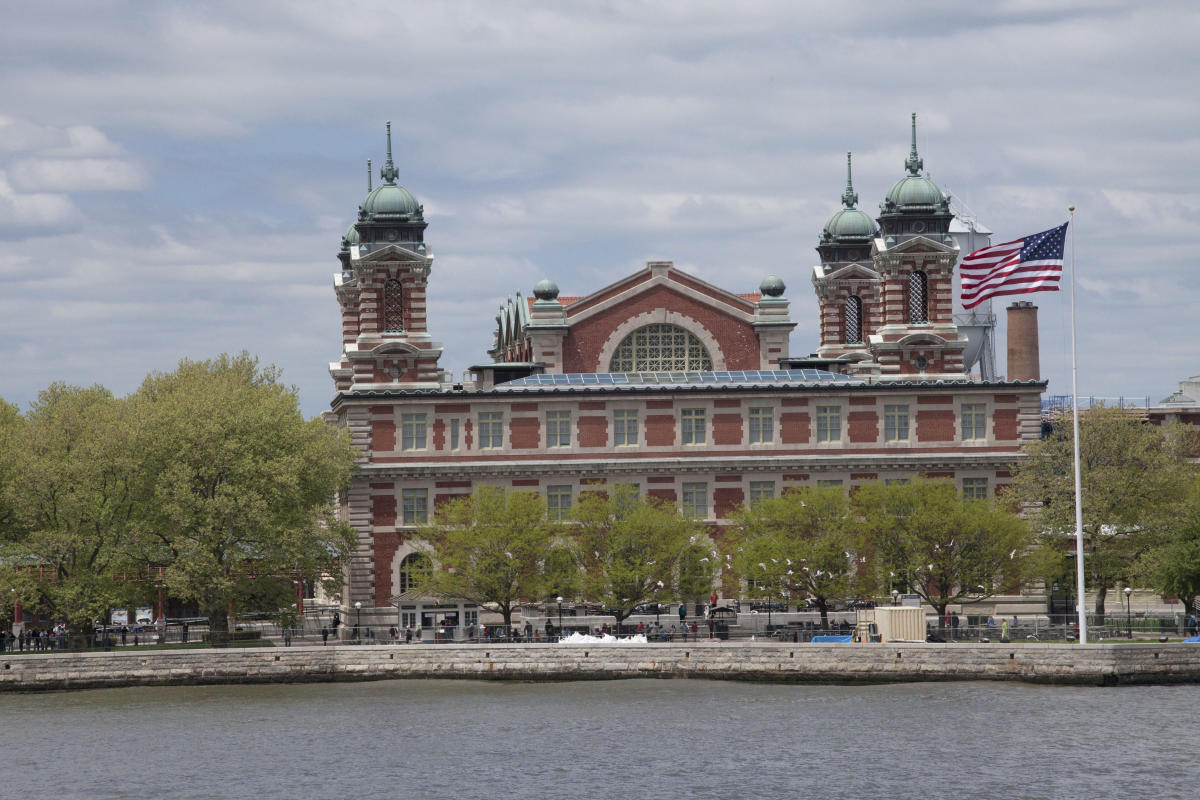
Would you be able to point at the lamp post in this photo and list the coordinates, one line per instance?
(560, 617)
(895, 597)
(1128, 614)
(358, 620)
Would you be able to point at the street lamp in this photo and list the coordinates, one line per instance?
(560, 617)
(1128, 615)
(358, 620)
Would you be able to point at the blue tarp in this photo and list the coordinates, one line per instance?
(1192, 640)
(828, 638)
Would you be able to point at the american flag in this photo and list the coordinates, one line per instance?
(1031, 264)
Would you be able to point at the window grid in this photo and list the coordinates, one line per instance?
(827, 483)
(692, 428)
(762, 425)
(974, 421)
(558, 428)
(393, 306)
(975, 488)
(454, 434)
(413, 571)
(412, 431)
(558, 502)
(625, 427)
(415, 503)
(695, 500)
(918, 292)
(853, 320)
(829, 424)
(491, 429)
(660, 348)
(895, 423)
(760, 491)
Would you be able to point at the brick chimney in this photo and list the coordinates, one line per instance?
(1024, 363)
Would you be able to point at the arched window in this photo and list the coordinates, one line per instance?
(660, 348)
(918, 297)
(852, 319)
(393, 306)
(414, 571)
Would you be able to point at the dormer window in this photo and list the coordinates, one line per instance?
(918, 297)
(393, 306)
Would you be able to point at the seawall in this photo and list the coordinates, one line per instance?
(1092, 664)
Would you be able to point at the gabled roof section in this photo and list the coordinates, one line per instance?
(659, 274)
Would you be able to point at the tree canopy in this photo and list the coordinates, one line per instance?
(800, 544)
(631, 549)
(491, 547)
(1133, 476)
(929, 540)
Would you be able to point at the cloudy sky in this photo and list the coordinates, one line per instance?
(175, 177)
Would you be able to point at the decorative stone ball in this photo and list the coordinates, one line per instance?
(546, 289)
(772, 286)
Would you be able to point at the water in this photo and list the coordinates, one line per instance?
(616, 739)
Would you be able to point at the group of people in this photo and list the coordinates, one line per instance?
(36, 639)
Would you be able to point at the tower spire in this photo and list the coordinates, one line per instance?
(849, 197)
(389, 173)
(368, 176)
(914, 162)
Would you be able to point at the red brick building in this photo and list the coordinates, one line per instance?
(660, 380)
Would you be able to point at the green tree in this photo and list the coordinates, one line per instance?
(239, 487)
(491, 547)
(936, 544)
(801, 544)
(1172, 564)
(69, 493)
(1133, 475)
(630, 549)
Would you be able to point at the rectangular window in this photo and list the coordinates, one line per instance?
(761, 490)
(558, 429)
(625, 427)
(762, 425)
(829, 424)
(895, 423)
(454, 434)
(895, 481)
(416, 506)
(826, 483)
(692, 427)
(975, 488)
(695, 500)
(491, 429)
(558, 501)
(974, 421)
(412, 431)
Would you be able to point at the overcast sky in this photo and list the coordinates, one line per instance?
(175, 177)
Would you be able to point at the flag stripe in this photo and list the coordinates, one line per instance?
(1031, 264)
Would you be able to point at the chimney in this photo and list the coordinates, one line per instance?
(1023, 360)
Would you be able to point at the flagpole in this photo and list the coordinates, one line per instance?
(1079, 584)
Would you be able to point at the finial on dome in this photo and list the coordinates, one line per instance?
(914, 162)
(368, 176)
(389, 173)
(849, 197)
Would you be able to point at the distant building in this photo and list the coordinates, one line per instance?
(663, 381)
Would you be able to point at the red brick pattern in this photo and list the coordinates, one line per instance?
(794, 428)
(592, 431)
(660, 430)
(383, 510)
(727, 428)
(524, 433)
(863, 425)
(727, 500)
(665, 495)
(1004, 422)
(935, 426)
(383, 435)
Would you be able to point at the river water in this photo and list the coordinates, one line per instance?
(615, 739)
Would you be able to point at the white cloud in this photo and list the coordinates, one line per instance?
(78, 175)
(24, 212)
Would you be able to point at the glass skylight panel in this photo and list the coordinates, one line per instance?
(765, 377)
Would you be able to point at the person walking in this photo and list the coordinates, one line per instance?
(324, 636)
(1004, 631)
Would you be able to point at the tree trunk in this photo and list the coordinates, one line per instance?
(218, 626)
(823, 607)
(1101, 594)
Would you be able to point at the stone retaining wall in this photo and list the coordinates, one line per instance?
(1093, 664)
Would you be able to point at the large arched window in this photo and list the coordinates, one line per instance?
(393, 306)
(414, 571)
(852, 319)
(660, 348)
(918, 297)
